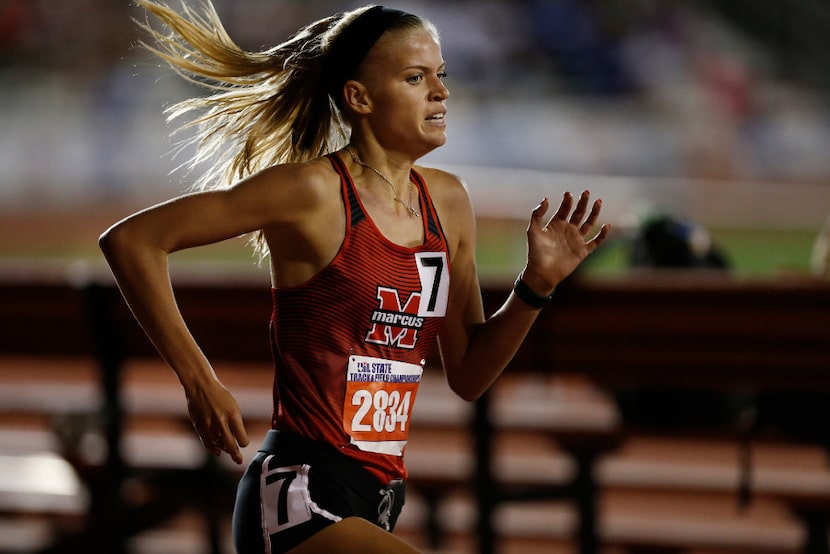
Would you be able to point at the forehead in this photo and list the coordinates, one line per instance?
(401, 48)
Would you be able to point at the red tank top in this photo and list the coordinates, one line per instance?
(349, 344)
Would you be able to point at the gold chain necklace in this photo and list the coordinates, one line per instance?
(409, 207)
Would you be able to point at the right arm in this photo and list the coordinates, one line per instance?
(137, 249)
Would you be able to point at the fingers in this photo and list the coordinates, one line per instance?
(592, 217)
(211, 441)
(578, 215)
(240, 438)
(215, 443)
(581, 207)
(227, 438)
(564, 207)
(238, 429)
(600, 237)
(217, 420)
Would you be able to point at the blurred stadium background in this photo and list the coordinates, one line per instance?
(716, 113)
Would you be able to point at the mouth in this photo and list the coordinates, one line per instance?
(439, 117)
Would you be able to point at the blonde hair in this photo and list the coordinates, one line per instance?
(266, 108)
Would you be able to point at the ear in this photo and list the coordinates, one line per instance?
(356, 97)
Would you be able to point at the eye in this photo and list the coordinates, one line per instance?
(442, 75)
(414, 79)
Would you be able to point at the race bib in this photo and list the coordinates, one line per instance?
(380, 395)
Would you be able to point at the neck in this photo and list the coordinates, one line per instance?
(391, 165)
(407, 200)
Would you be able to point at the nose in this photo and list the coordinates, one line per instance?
(440, 90)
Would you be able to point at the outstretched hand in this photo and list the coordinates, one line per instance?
(558, 246)
(217, 420)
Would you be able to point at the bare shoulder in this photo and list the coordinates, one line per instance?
(293, 189)
(306, 179)
(447, 190)
(452, 202)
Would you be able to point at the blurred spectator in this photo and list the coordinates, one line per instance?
(667, 242)
(582, 41)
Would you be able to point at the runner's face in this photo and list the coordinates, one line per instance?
(404, 75)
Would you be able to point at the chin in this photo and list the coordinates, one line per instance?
(429, 143)
(438, 141)
(429, 149)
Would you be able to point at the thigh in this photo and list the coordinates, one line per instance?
(354, 534)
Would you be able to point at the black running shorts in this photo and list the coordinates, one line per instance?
(295, 487)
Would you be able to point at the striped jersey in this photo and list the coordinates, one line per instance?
(350, 344)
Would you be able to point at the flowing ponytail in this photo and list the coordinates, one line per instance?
(265, 108)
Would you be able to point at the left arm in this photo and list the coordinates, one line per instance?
(475, 350)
